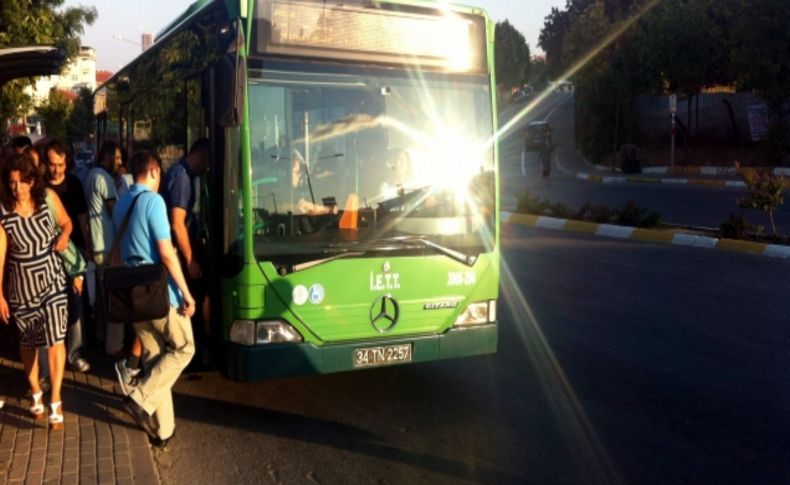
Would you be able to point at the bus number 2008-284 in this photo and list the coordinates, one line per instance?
(460, 278)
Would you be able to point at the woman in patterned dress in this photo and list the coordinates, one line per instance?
(34, 290)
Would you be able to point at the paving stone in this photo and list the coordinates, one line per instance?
(34, 478)
(36, 465)
(123, 471)
(69, 479)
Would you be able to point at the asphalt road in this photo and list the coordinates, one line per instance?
(619, 361)
(678, 204)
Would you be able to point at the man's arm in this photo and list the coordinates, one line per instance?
(178, 217)
(170, 260)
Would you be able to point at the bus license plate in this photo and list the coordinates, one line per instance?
(390, 354)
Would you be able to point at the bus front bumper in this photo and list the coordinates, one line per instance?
(243, 363)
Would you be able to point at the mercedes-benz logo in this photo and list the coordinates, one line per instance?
(384, 313)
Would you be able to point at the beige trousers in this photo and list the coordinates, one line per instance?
(168, 346)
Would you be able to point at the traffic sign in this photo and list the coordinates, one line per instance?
(673, 103)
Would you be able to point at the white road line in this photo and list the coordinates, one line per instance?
(559, 103)
(550, 222)
(694, 241)
(776, 251)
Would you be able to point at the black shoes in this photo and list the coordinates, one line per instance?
(140, 416)
(159, 442)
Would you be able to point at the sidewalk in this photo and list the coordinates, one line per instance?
(511, 220)
(99, 442)
(701, 176)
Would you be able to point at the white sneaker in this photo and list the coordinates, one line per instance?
(127, 377)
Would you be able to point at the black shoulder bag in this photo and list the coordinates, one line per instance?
(134, 293)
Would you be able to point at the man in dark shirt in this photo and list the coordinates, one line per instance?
(178, 190)
(69, 189)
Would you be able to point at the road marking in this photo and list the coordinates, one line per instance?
(776, 251)
(693, 240)
(559, 103)
(550, 222)
(610, 230)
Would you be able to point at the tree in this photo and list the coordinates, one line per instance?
(55, 114)
(24, 22)
(552, 38)
(765, 191)
(512, 55)
(761, 63)
(81, 120)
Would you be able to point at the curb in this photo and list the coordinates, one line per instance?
(607, 179)
(702, 170)
(650, 235)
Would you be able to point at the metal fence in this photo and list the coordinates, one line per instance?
(718, 117)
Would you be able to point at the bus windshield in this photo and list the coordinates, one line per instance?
(343, 161)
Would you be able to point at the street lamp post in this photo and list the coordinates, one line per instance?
(120, 37)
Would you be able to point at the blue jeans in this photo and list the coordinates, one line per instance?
(74, 334)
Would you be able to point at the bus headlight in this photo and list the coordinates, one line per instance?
(477, 313)
(249, 332)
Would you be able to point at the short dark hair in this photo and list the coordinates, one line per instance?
(21, 141)
(142, 161)
(200, 145)
(58, 147)
(108, 148)
(28, 173)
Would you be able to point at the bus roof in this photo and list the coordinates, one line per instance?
(233, 8)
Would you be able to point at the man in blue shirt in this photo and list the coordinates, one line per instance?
(168, 345)
(179, 193)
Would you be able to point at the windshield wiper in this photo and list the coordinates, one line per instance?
(316, 262)
(466, 259)
(390, 244)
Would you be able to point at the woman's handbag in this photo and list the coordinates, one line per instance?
(134, 293)
(73, 261)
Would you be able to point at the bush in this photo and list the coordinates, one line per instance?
(765, 191)
(737, 227)
(633, 215)
(630, 215)
(596, 213)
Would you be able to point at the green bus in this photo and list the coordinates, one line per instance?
(351, 210)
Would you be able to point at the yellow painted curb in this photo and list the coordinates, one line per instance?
(643, 180)
(523, 219)
(581, 226)
(708, 183)
(748, 246)
(652, 235)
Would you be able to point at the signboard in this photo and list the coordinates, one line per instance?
(673, 103)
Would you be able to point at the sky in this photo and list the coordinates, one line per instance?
(129, 19)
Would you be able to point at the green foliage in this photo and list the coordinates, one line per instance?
(81, 120)
(630, 215)
(595, 213)
(765, 191)
(633, 215)
(13, 103)
(512, 55)
(27, 22)
(676, 46)
(761, 49)
(55, 114)
(737, 227)
(538, 73)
